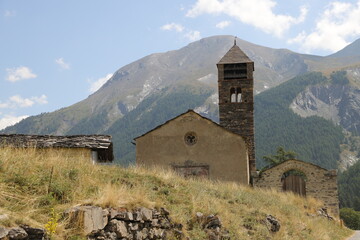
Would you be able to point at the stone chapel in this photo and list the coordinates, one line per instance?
(195, 146)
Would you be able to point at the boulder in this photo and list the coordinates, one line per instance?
(272, 223)
(87, 218)
(17, 234)
(3, 232)
(119, 227)
(34, 233)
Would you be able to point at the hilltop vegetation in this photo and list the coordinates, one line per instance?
(349, 187)
(32, 184)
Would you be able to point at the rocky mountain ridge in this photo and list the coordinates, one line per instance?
(189, 71)
(194, 64)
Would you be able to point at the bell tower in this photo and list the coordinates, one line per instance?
(236, 99)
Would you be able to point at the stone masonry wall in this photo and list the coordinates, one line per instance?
(321, 184)
(238, 117)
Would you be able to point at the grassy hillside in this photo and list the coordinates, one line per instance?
(27, 196)
(315, 139)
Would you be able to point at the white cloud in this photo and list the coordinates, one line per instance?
(189, 34)
(223, 24)
(62, 63)
(258, 13)
(9, 120)
(193, 35)
(9, 13)
(98, 83)
(20, 73)
(173, 26)
(40, 100)
(337, 23)
(17, 101)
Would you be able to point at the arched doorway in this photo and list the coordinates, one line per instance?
(294, 181)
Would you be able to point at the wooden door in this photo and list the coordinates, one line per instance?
(295, 183)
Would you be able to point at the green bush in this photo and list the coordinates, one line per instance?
(339, 78)
(351, 218)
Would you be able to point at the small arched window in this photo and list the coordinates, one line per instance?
(233, 95)
(238, 97)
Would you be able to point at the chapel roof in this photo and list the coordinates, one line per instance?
(190, 111)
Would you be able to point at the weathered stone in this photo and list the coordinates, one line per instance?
(178, 234)
(322, 212)
(156, 233)
(87, 218)
(129, 216)
(119, 214)
(149, 224)
(272, 223)
(212, 222)
(119, 227)
(155, 222)
(146, 214)
(17, 234)
(101, 235)
(165, 223)
(3, 232)
(34, 233)
(133, 226)
(199, 215)
(164, 212)
(143, 234)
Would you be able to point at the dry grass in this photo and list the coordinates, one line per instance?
(32, 183)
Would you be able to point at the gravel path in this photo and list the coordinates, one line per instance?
(356, 236)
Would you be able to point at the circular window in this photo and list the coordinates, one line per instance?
(190, 138)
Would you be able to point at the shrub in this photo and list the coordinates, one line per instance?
(351, 218)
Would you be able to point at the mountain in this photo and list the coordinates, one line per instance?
(193, 64)
(351, 50)
(314, 139)
(147, 92)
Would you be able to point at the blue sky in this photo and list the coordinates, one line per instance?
(55, 53)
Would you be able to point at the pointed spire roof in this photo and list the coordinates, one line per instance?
(234, 55)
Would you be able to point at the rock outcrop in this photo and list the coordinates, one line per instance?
(23, 232)
(141, 223)
(338, 103)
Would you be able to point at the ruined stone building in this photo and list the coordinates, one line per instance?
(97, 148)
(315, 181)
(193, 145)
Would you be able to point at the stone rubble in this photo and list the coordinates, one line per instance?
(23, 232)
(323, 213)
(272, 223)
(212, 225)
(141, 223)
